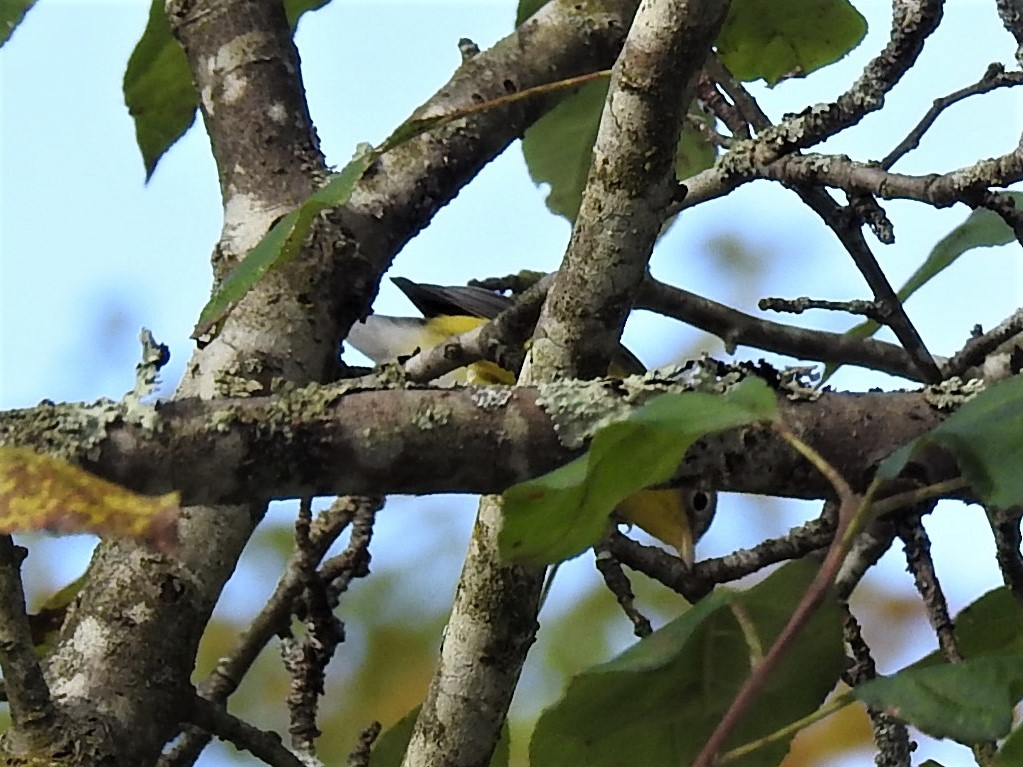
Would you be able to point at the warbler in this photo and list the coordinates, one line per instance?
(678, 516)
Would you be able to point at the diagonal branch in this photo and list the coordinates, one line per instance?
(578, 330)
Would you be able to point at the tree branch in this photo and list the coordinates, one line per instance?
(469, 695)
(325, 441)
(32, 711)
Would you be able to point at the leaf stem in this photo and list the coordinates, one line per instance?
(826, 710)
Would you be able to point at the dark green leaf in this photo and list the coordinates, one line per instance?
(970, 701)
(282, 242)
(1011, 752)
(11, 14)
(158, 87)
(559, 146)
(390, 747)
(657, 703)
(295, 8)
(776, 39)
(981, 229)
(986, 437)
(992, 625)
(527, 8)
(558, 515)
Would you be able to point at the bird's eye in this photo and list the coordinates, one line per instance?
(700, 500)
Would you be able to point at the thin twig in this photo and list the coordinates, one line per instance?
(736, 328)
(995, 77)
(800, 305)
(694, 584)
(1005, 525)
(925, 577)
(890, 735)
(852, 509)
(266, 746)
(359, 756)
(618, 583)
(272, 620)
(977, 349)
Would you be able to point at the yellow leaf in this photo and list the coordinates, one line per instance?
(38, 492)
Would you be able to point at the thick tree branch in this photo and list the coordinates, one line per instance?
(324, 441)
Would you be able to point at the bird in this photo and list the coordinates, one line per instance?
(677, 516)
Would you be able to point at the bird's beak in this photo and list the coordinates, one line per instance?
(666, 515)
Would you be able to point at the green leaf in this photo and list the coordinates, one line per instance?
(970, 701)
(158, 87)
(981, 229)
(559, 146)
(283, 242)
(558, 515)
(294, 9)
(777, 39)
(986, 437)
(390, 747)
(11, 14)
(657, 703)
(527, 8)
(1011, 752)
(991, 625)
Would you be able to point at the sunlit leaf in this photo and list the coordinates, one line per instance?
(158, 87)
(971, 701)
(558, 147)
(776, 39)
(38, 492)
(558, 515)
(11, 14)
(657, 703)
(986, 437)
(282, 243)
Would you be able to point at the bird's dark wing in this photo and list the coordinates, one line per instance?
(434, 300)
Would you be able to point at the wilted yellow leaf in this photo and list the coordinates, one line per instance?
(38, 492)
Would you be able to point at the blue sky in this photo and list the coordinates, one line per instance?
(89, 252)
